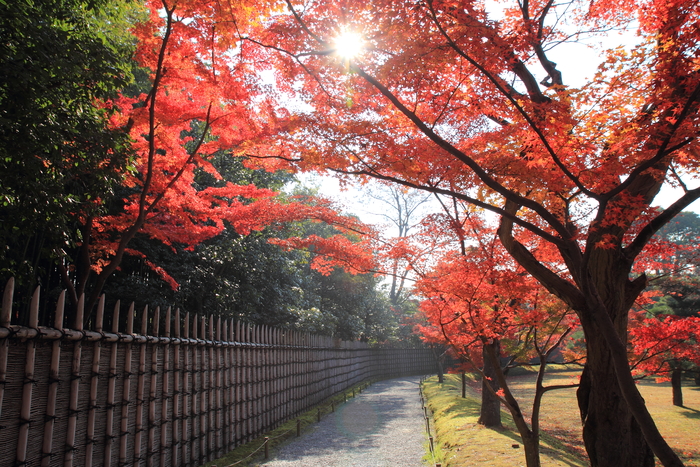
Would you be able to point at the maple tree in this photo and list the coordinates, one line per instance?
(195, 100)
(454, 98)
(662, 346)
(664, 323)
(478, 301)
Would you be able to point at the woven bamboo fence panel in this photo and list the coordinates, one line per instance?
(170, 390)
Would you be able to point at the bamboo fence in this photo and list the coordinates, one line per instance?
(181, 391)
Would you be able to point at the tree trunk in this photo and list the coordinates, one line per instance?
(490, 415)
(676, 377)
(530, 438)
(438, 362)
(611, 435)
(618, 430)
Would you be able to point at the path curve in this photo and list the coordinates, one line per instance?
(381, 427)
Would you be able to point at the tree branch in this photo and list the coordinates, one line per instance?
(489, 181)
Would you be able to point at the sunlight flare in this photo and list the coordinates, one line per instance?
(348, 45)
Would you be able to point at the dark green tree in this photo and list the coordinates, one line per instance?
(60, 63)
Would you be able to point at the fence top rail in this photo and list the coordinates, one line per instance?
(51, 334)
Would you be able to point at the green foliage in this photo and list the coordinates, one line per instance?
(60, 62)
(250, 279)
(680, 292)
(243, 277)
(346, 306)
(683, 229)
(681, 296)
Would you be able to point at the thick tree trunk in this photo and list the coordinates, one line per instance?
(490, 415)
(676, 377)
(618, 429)
(611, 435)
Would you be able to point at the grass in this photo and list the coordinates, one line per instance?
(252, 453)
(462, 442)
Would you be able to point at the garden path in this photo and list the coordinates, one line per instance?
(383, 426)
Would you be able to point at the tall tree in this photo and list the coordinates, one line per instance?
(665, 332)
(664, 347)
(60, 62)
(450, 97)
(201, 99)
(477, 301)
(402, 208)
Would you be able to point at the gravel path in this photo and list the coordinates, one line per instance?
(381, 427)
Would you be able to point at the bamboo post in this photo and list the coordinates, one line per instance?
(219, 396)
(187, 456)
(203, 408)
(126, 393)
(211, 396)
(246, 389)
(265, 386)
(238, 379)
(273, 394)
(166, 388)
(47, 446)
(253, 357)
(111, 387)
(242, 373)
(26, 407)
(233, 378)
(261, 378)
(140, 386)
(226, 373)
(293, 373)
(74, 387)
(152, 392)
(92, 405)
(257, 379)
(235, 382)
(5, 317)
(196, 371)
(177, 394)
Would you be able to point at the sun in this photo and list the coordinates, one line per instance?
(348, 45)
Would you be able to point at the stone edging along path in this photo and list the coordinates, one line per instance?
(383, 426)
